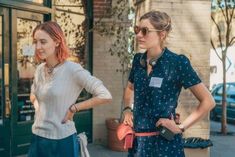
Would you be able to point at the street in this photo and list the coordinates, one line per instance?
(223, 146)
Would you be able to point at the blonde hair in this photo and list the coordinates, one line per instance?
(160, 21)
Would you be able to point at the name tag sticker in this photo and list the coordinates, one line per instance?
(156, 82)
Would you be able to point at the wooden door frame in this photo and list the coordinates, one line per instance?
(20, 131)
(5, 127)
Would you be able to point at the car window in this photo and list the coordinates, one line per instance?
(232, 92)
(220, 89)
(232, 88)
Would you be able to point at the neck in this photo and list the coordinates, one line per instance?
(154, 52)
(52, 63)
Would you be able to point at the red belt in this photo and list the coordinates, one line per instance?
(129, 138)
(146, 133)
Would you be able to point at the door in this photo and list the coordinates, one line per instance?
(22, 72)
(4, 84)
(16, 75)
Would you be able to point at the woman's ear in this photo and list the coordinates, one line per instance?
(163, 35)
(57, 44)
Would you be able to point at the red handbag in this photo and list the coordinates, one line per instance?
(125, 132)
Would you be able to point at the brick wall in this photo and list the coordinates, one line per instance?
(104, 67)
(100, 7)
(190, 36)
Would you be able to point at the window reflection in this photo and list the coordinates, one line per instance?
(71, 17)
(36, 1)
(25, 67)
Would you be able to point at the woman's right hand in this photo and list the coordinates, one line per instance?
(69, 114)
(128, 118)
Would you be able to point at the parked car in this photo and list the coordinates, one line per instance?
(217, 91)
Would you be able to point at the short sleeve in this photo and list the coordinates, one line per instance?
(92, 84)
(188, 76)
(131, 75)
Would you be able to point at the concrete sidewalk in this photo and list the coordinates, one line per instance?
(223, 146)
(101, 151)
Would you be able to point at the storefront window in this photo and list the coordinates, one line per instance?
(36, 1)
(1, 106)
(25, 67)
(71, 17)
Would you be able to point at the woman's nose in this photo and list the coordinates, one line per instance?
(139, 34)
(38, 46)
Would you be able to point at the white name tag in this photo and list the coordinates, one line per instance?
(156, 82)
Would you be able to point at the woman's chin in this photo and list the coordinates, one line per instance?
(42, 57)
(142, 46)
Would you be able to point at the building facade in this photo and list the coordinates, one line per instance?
(190, 36)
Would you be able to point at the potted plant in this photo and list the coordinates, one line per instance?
(125, 59)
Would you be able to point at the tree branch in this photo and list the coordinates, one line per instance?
(227, 12)
(217, 26)
(231, 41)
(216, 52)
(222, 11)
(231, 14)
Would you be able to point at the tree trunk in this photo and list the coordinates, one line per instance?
(224, 97)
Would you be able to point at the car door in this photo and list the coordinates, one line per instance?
(231, 102)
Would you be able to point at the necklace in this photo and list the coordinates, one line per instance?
(153, 61)
(51, 69)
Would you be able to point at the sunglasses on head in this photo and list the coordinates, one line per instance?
(144, 30)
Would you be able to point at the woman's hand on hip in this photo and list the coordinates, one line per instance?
(169, 124)
(128, 118)
(69, 114)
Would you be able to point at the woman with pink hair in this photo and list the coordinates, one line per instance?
(56, 87)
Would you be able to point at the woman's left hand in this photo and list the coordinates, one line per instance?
(69, 115)
(169, 124)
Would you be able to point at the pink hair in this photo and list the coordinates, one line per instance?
(56, 33)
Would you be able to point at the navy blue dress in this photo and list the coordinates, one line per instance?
(156, 96)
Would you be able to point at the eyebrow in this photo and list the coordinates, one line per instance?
(39, 39)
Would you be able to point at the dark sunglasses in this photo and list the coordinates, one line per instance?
(144, 30)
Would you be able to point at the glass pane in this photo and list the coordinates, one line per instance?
(36, 1)
(220, 90)
(70, 16)
(25, 67)
(232, 88)
(1, 106)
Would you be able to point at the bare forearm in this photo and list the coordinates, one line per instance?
(128, 100)
(32, 98)
(206, 104)
(201, 111)
(90, 103)
(128, 96)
